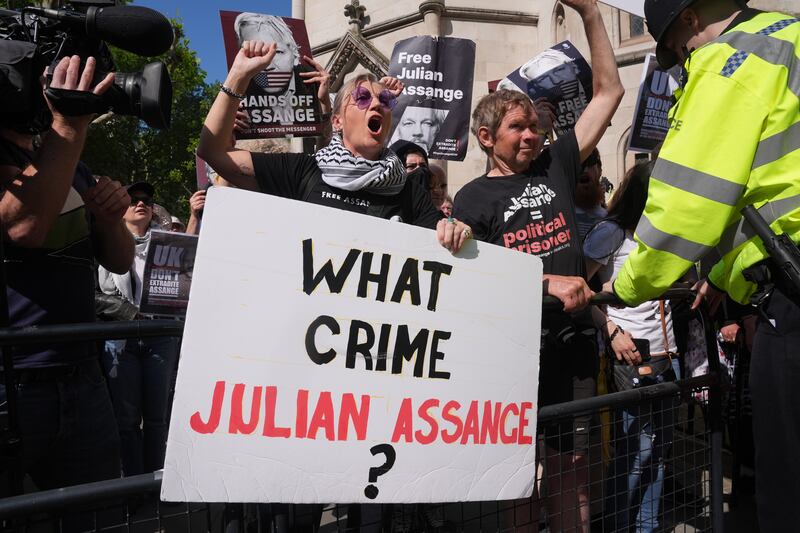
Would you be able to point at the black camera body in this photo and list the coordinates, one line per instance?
(34, 39)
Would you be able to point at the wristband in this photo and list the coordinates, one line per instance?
(617, 331)
(232, 94)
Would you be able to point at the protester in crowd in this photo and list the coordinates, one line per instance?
(355, 172)
(589, 194)
(438, 185)
(56, 220)
(642, 434)
(415, 161)
(177, 225)
(139, 371)
(447, 206)
(526, 203)
(728, 147)
(412, 155)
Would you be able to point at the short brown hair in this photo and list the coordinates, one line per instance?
(493, 107)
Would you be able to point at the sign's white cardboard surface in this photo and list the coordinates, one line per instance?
(252, 324)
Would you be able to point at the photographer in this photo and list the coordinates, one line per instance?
(56, 220)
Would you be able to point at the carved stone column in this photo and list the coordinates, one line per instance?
(299, 9)
(432, 13)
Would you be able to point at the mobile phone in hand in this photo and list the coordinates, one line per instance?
(643, 346)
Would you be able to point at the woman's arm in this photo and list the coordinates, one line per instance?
(619, 340)
(234, 165)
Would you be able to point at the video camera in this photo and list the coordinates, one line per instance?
(34, 38)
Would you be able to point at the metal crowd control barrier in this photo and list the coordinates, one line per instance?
(690, 472)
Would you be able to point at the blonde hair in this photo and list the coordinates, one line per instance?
(493, 107)
(344, 92)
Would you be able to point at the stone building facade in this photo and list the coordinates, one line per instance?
(360, 36)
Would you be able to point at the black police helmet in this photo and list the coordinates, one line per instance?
(660, 14)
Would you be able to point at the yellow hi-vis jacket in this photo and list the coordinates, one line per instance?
(734, 140)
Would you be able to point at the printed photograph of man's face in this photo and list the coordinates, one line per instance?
(551, 73)
(275, 79)
(419, 125)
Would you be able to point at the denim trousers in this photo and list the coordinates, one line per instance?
(140, 375)
(69, 435)
(642, 441)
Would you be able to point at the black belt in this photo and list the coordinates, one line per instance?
(48, 374)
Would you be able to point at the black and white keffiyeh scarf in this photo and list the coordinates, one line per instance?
(344, 170)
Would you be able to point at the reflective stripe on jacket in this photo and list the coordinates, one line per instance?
(734, 140)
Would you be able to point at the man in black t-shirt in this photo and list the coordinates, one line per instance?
(526, 203)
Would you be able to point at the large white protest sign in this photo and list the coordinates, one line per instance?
(334, 357)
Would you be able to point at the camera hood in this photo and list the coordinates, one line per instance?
(146, 94)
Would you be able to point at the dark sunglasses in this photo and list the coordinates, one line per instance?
(363, 98)
(146, 200)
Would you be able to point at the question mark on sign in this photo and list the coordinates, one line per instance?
(371, 491)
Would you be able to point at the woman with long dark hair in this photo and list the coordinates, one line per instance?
(642, 347)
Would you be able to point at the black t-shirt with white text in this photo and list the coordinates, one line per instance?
(297, 176)
(532, 212)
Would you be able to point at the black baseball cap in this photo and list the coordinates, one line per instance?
(141, 186)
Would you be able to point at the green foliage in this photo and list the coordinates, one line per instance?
(128, 150)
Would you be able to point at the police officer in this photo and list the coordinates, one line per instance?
(734, 140)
